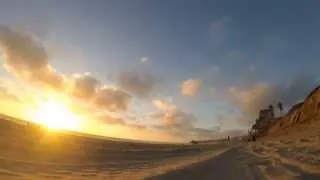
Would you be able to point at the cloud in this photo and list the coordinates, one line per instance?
(164, 105)
(176, 119)
(138, 83)
(7, 90)
(180, 124)
(26, 58)
(6, 94)
(190, 87)
(170, 116)
(144, 59)
(112, 99)
(250, 98)
(179, 119)
(106, 119)
(296, 89)
(84, 86)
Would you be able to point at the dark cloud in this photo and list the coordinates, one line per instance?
(112, 99)
(84, 86)
(27, 58)
(140, 84)
(22, 49)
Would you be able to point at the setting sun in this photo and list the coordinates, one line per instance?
(57, 115)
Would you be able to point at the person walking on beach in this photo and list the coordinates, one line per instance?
(228, 140)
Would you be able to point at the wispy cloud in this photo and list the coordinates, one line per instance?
(190, 87)
(181, 124)
(144, 59)
(140, 84)
(164, 105)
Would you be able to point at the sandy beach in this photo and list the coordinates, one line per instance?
(293, 155)
(159, 90)
(31, 153)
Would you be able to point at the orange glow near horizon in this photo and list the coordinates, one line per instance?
(57, 115)
(59, 111)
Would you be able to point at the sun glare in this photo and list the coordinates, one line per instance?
(57, 115)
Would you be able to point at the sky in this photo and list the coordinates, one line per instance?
(169, 70)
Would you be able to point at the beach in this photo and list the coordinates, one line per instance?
(33, 153)
(293, 155)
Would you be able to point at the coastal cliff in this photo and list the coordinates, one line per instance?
(304, 113)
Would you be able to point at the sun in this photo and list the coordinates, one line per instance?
(57, 115)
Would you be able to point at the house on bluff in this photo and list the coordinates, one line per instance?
(265, 119)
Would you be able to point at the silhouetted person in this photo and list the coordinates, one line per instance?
(253, 137)
(228, 140)
(271, 108)
(194, 142)
(280, 106)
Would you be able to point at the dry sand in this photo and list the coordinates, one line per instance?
(31, 153)
(293, 155)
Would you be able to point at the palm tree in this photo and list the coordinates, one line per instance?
(280, 106)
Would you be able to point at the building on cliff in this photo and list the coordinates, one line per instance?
(266, 117)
